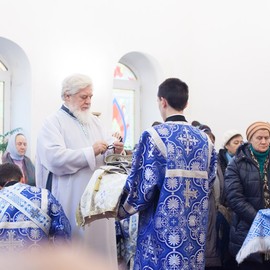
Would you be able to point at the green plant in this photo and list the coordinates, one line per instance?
(4, 139)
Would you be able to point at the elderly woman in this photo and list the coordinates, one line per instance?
(247, 189)
(15, 153)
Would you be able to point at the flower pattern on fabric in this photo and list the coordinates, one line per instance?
(18, 231)
(175, 261)
(173, 167)
(170, 222)
(172, 184)
(35, 234)
(197, 221)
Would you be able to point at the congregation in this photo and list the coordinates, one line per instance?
(192, 206)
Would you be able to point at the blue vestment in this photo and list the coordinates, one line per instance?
(29, 217)
(258, 237)
(173, 166)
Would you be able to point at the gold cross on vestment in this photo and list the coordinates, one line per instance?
(11, 243)
(189, 193)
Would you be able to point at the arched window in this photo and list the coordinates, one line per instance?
(16, 90)
(136, 79)
(3, 67)
(4, 97)
(125, 103)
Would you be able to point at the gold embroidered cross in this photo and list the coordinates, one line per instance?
(11, 243)
(188, 193)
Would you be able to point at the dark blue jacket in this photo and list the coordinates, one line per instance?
(244, 194)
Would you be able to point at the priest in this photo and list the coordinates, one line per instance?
(70, 146)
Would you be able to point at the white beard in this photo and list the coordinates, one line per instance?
(82, 116)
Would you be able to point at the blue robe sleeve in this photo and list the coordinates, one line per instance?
(145, 178)
(212, 168)
(60, 227)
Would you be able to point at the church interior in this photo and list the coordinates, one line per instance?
(219, 48)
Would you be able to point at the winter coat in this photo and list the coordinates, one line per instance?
(244, 194)
(223, 219)
(28, 168)
(221, 167)
(212, 256)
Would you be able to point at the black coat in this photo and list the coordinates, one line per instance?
(222, 160)
(221, 167)
(244, 194)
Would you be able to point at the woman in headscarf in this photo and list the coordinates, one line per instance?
(15, 153)
(247, 190)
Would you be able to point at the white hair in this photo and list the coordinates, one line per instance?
(74, 83)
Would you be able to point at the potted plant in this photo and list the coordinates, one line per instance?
(4, 139)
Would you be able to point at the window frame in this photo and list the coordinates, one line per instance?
(6, 78)
(131, 85)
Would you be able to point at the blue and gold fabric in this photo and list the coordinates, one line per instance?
(173, 166)
(258, 238)
(30, 216)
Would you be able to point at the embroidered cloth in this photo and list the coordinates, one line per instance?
(30, 216)
(258, 238)
(101, 197)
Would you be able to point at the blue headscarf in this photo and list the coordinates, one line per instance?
(11, 147)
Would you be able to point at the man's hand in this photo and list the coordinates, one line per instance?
(118, 144)
(118, 147)
(100, 147)
(118, 136)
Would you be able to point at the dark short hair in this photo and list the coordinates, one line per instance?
(195, 123)
(156, 123)
(208, 131)
(9, 171)
(175, 92)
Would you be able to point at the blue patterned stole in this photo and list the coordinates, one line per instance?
(14, 197)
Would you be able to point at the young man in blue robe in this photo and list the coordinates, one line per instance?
(29, 216)
(173, 167)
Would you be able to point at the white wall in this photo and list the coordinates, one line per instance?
(219, 48)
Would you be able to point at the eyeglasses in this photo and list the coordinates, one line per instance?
(111, 146)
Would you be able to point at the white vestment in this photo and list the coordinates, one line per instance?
(64, 147)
